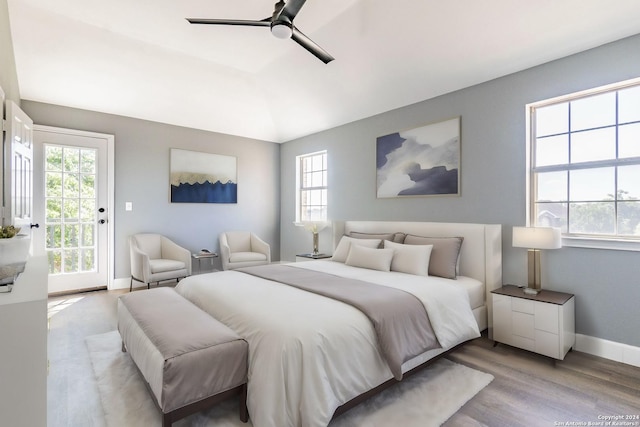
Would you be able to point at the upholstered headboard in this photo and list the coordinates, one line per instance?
(480, 255)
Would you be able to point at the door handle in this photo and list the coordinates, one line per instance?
(34, 226)
(101, 210)
(102, 221)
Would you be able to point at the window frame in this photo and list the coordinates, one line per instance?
(300, 188)
(613, 242)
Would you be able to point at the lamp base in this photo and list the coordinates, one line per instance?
(531, 291)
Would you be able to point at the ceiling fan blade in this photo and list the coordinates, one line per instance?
(291, 8)
(246, 23)
(311, 46)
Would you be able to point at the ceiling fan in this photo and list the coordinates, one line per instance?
(281, 24)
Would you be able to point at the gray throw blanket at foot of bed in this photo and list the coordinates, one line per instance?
(399, 318)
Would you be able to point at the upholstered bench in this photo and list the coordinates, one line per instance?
(189, 360)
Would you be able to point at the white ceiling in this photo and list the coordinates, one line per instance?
(142, 59)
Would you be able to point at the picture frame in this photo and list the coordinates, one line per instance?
(422, 161)
(197, 177)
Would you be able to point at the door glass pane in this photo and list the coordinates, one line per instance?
(54, 210)
(71, 210)
(55, 261)
(592, 184)
(71, 258)
(71, 159)
(594, 111)
(53, 185)
(53, 158)
(88, 161)
(88, 260)
(71, 185)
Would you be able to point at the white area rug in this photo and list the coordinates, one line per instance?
(426, 399)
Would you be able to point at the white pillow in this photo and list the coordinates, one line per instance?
(411, 259)
(342, 250)
(373, 259)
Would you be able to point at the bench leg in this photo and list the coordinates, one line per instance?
(244, 413)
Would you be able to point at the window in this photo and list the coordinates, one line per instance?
(311, 203)
(585, 163)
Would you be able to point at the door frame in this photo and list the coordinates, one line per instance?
(39, 175)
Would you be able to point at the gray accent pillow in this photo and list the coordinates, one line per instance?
(444, 255)
(393, 237)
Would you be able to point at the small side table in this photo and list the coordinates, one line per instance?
(203, 255)
(311, 257)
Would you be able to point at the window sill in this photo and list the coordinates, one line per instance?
(595, 243)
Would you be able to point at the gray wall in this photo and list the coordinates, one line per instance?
(142, 177)
(606, 283)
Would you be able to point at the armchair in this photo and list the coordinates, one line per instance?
(243, 249)
(155, 258)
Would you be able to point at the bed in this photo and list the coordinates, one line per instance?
(312, 357)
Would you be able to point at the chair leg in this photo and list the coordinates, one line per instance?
(131, 284)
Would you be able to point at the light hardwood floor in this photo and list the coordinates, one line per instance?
(528, 390)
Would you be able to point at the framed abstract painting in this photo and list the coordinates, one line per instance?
(423, 161)
(203, 177)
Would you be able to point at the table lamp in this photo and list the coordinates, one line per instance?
(314, 227)
(534, 239)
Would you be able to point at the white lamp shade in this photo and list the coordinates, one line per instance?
(537, 237)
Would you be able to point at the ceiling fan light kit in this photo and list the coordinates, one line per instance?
(281, 25)
(281, 30)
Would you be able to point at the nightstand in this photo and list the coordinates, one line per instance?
(543, 323)
(311, 257)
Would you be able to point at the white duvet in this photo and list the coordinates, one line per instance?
(309, 354)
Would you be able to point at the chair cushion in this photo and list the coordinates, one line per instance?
(247, 256)
(162, 265)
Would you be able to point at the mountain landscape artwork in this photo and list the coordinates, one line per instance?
(424, 161)
(203, 177)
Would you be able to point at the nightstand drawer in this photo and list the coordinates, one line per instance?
(522, 305)
(547, 344)
(546, 316)
(524, 343)
(522, 324)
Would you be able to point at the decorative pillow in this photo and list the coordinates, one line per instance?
(411, 259)
(444, 255)
(394, 237)
(342, 250)
(373, 259)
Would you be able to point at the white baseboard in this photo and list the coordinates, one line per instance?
(608, 349)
